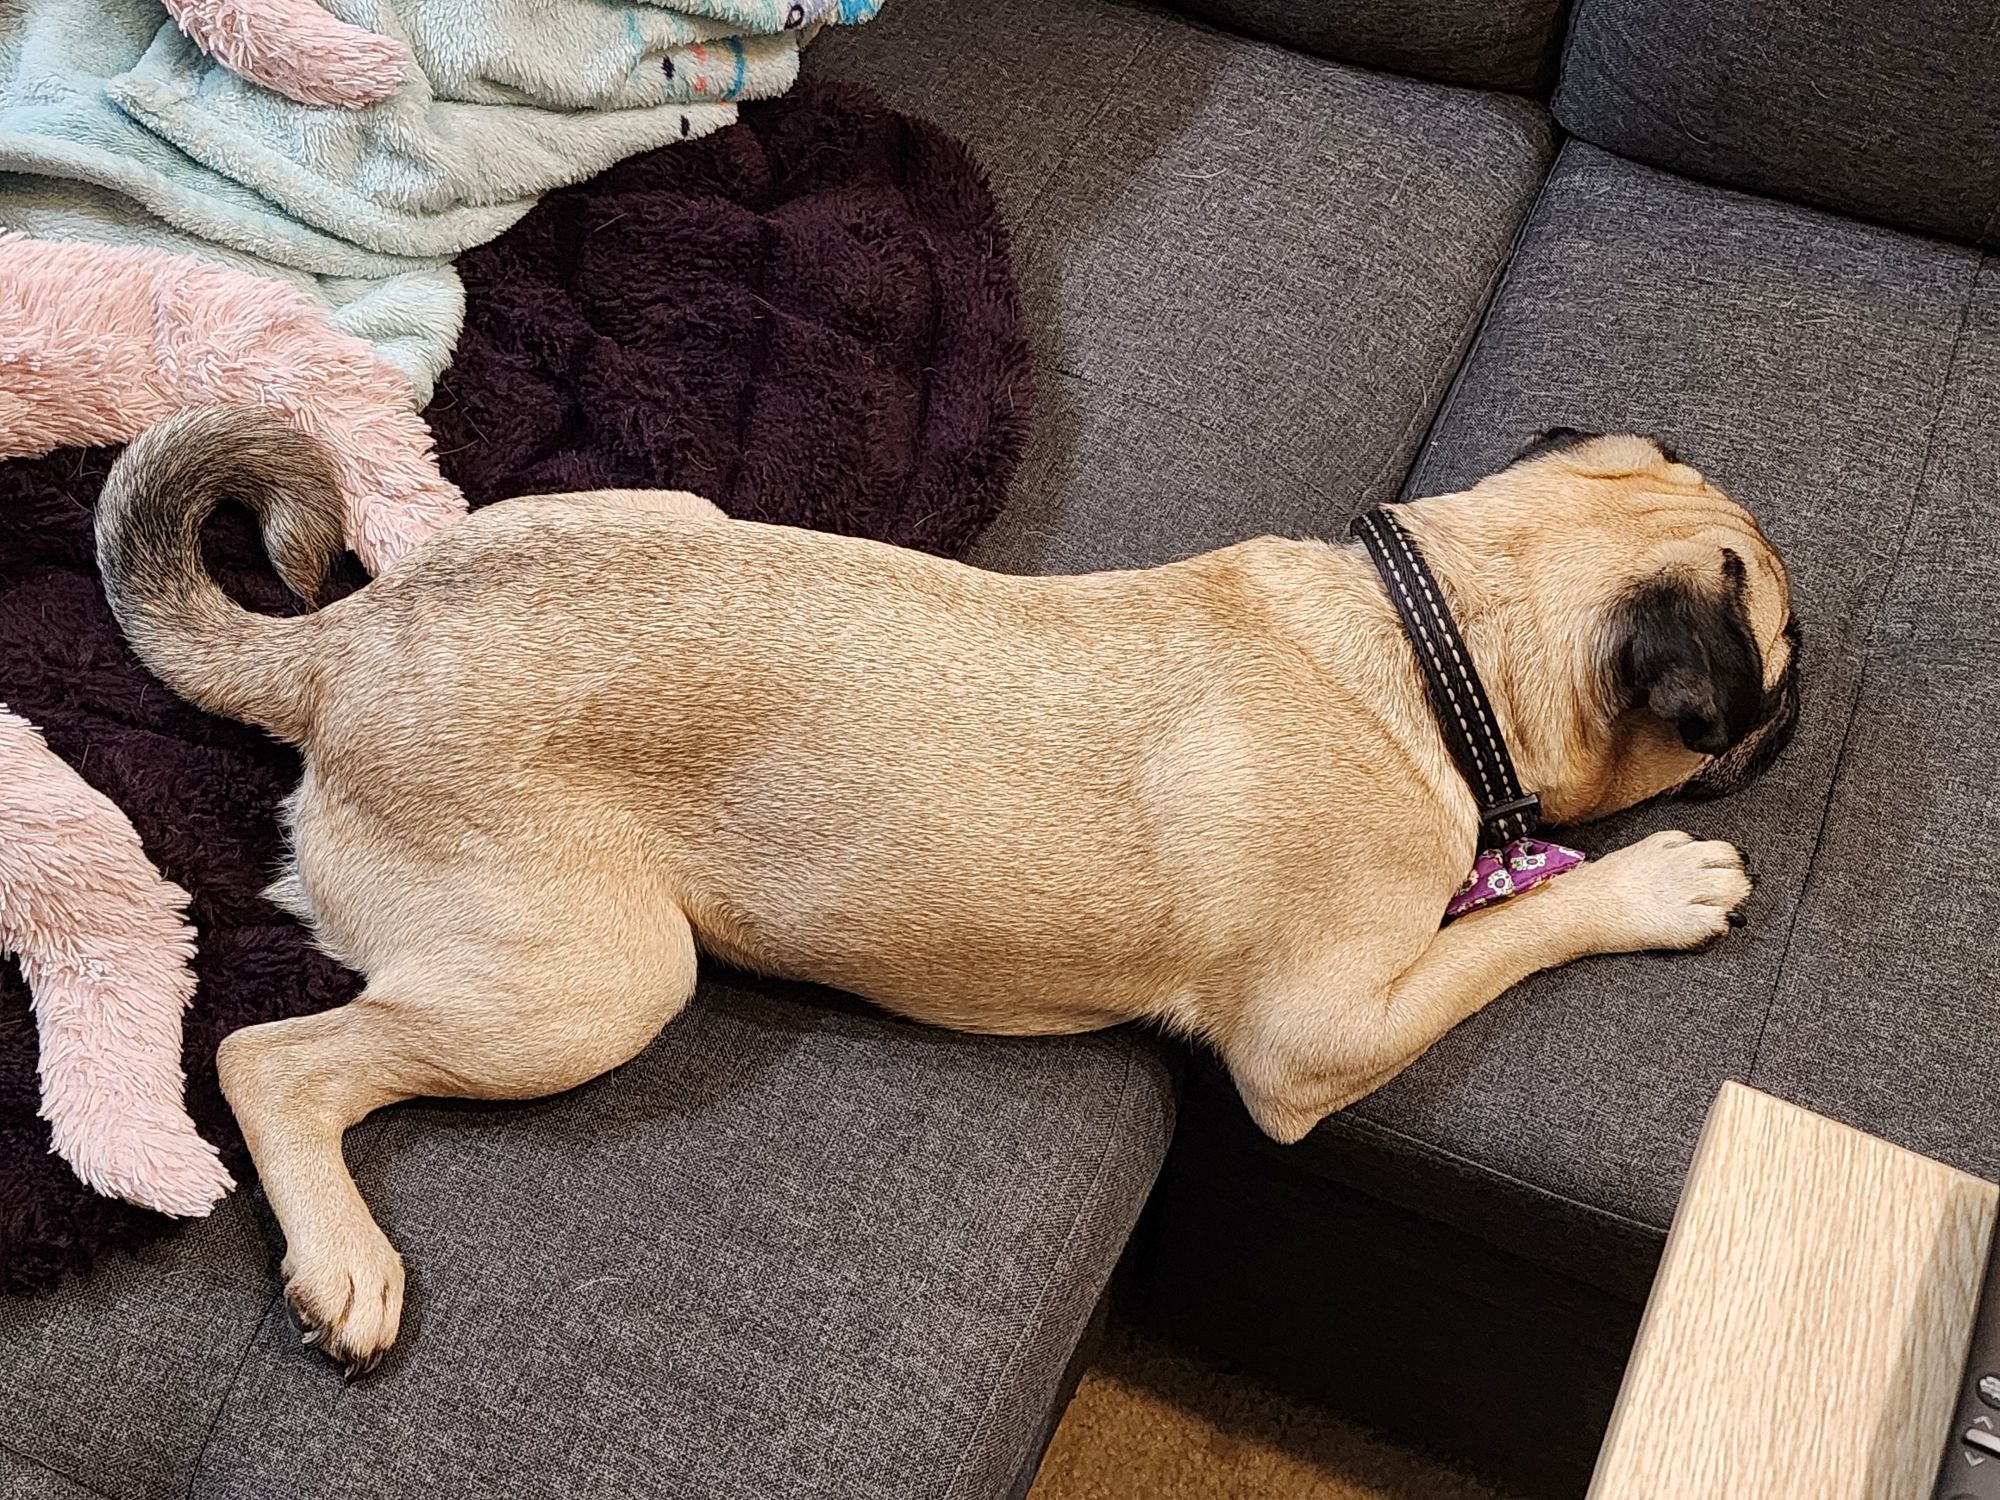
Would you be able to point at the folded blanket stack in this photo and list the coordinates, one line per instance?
(116, 128)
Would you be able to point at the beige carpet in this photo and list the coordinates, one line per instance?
(1149, 1422)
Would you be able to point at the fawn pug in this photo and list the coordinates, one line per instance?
(573, 740)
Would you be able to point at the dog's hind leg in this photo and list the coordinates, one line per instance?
(532, 1020)
(1335, 1036)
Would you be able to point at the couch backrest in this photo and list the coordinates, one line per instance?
(1889, 109)
(1494, 44)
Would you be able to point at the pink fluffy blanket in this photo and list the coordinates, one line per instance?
(294, 48)
(96, 344)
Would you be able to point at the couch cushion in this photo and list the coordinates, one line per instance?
(1248, 273)
(1949, 573)
(114, 1379)
(795, 1248)
(1494, 44)
(24, 1479)
(1884, 1016)
(1802, 361)
(1879, 107)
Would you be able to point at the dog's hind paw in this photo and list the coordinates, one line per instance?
(348, 1305)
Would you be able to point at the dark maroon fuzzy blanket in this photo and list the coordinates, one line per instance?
(810, 318)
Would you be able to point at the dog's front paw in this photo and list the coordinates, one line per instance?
(1668, 891)
(347, 1299)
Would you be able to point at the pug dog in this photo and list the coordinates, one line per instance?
(573, 741)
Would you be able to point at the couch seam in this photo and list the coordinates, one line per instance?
(229, 1390)
(1083, 131)
(1496, 287)
(48, 1468)
(1024, 231)
(1869, 643)
(1116, 1135)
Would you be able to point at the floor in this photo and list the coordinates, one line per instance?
(1150, 1422)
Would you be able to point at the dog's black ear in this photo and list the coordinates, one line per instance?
(1682, 650)
(1552, 440)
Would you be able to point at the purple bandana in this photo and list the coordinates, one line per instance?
(1500, 873)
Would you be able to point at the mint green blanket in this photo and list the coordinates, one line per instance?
(115, 128)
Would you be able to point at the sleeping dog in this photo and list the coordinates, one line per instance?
(573, 740)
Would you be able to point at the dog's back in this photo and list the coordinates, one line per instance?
(812, 738)
(972, 797)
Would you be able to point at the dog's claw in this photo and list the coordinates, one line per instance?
(347, 1309)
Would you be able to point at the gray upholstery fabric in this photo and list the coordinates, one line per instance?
(23, 1479)
(1885, 1014)
(1948, 584)
(1249, 273)
(1883, 108)
(115, 1379)
(1802, 362)
(793, 1249)
(1495, 44)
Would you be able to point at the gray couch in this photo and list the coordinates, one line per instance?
(1283, 261)
(1272, 288)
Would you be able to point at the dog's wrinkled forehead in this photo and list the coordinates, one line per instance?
(1699, 541)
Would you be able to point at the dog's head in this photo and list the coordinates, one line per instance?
(1665, 656)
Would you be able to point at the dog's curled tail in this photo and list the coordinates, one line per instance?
(204, 645)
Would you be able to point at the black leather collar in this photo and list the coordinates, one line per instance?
(1458, 701)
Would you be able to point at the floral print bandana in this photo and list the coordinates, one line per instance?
(1499, 873)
